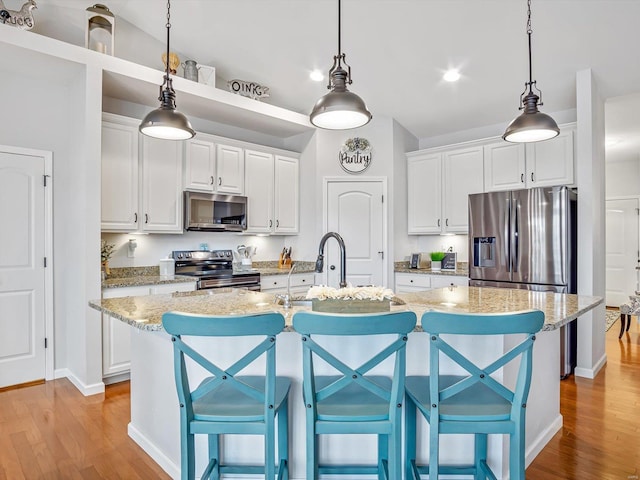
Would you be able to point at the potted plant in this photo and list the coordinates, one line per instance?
(106, 250)
(436, 261)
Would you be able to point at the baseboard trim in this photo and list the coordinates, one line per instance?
(160, 458)
(591, 373)
(86, 390)
(541, 441)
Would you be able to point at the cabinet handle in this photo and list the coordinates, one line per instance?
(146, 218)
(270, 223)
(438, 222)
(446, 222)
(381, 253)
(410, 281)
(135, 217)
(277, 223)
(304, 280)
(522, 178)
(219, 181)
(532, 176)
(212, 180)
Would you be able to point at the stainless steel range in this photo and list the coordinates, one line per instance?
(214, 269)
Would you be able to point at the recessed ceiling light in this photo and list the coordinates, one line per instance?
(452, 75)
(316, 75)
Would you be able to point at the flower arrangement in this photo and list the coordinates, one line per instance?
(106, 250)
(322, 292)
(356, 144)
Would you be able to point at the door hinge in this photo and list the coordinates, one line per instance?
(45, 342)
(45, 262)
(44, 179)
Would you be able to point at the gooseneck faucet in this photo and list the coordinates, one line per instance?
(343, 257)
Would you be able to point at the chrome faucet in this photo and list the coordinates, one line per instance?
(286, 298)
(343, 257)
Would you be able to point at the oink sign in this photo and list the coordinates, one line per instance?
(355, 155)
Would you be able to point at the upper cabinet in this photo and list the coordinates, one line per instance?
(541, 164)
(229, 169)
(141, 180)
(213, 167)
(200, 164)
(272, 190)
(120, 198)
(439, 183)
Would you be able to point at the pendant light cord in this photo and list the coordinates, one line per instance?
(339, 30)
(168, 30)
(529, 32)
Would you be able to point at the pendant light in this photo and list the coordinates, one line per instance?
(166, 122)
(532, 125)
(340, 109)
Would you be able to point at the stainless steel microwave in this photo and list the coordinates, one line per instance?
(215, 212)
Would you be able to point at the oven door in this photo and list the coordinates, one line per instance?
(250, 282)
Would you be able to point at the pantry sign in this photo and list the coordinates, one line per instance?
(355, 155)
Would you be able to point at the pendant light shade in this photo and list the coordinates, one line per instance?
(166, 122)
(340, 109)
(532, 125)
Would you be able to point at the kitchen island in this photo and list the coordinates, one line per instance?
(154, 404)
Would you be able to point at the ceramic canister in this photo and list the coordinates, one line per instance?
(167, 267)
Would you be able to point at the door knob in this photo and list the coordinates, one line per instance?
(332, 267)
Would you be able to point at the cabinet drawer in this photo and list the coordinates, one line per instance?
(409, 282)
(440, 281)
(276, 282)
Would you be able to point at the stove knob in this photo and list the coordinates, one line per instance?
(179, 255)
(188, 255)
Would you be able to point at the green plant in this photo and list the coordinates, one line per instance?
(437, 256)
(106, 250)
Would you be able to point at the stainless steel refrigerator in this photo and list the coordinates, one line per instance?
(527, 239)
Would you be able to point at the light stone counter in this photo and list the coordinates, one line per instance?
(146, 312)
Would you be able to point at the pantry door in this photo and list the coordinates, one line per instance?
(24, 238)
(356, 210)
(622, 250)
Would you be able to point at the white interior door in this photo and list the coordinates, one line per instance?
(622, 250)
(22, 271)
(355, 210)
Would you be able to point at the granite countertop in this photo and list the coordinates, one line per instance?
(146, 312)
(462, 269)
(139, 280)
(271, 268)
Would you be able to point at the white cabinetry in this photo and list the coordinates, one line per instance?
(439, 183)
(116, 334)
(161, 185)
(200, 164)
(272, 190)
(416, 282)
(119, 211)
(540, 164)
(141, 180)
(229, 169)
(300, 283)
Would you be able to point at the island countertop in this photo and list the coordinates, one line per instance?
(146, 312)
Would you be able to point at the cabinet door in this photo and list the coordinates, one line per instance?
(550, 162)
(230, 170)
(200, 165)
(463, 174)
(119, 176)
(441, 281)
(259, 191)
(161, 186)
(287, 195)
(504, 166)
(424, 193)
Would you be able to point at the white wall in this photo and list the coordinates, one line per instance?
(623, 178)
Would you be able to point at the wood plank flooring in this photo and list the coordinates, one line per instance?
(52, 432)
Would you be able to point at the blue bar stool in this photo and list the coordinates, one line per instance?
(228, 403)
(475, 402)
(353, 402)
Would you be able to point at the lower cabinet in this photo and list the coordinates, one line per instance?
(417, 282)
(116, 334)
(300, 283)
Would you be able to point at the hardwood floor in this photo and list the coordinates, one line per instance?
(51, 431)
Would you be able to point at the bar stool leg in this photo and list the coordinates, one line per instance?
(623, 319)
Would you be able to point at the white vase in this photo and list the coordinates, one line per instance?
(436, 266)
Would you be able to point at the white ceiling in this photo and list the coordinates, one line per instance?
(398, 50)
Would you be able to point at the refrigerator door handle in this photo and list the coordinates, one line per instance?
(516, 230)
(507, 218)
